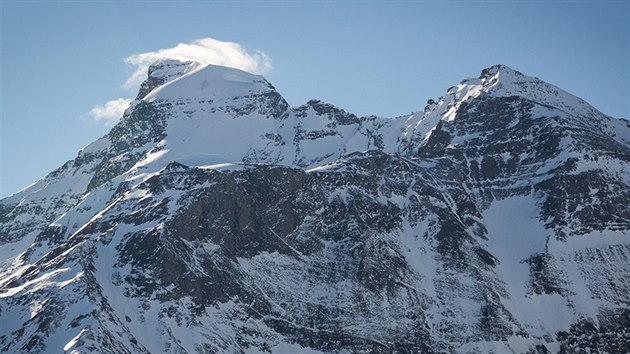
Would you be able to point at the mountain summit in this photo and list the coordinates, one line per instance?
(215, 218)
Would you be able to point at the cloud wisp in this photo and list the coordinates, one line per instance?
(203, 51)
(109, 114)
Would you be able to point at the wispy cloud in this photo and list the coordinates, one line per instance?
(204, 51)
(109, 113)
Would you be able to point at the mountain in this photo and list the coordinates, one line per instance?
(215, 218)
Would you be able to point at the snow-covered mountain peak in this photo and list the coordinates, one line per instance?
(170, 69)
(210, 82)
(498, 80)
(502, 81)
(163, 71)
(499, 70)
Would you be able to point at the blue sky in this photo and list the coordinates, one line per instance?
(60, 59)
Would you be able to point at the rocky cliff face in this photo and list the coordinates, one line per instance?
(216, 218)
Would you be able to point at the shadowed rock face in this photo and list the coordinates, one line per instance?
(503, 227)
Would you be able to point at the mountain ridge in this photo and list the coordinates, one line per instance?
(215, 218)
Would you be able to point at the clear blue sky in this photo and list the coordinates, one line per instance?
(59, 59)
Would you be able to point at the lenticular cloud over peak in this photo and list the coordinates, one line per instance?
(203, 51)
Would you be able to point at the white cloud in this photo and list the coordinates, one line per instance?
(110, 112)
(204, 51)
